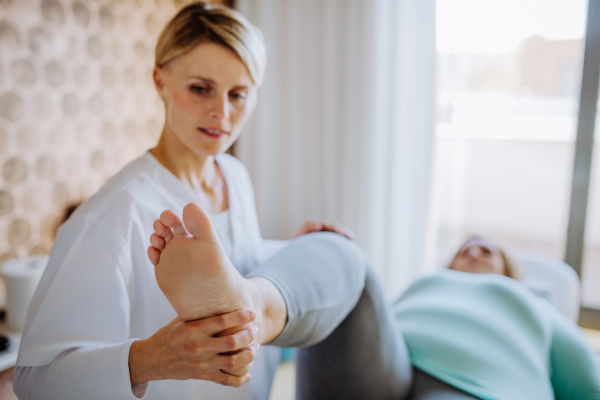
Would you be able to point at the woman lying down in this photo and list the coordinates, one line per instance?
(472, 331)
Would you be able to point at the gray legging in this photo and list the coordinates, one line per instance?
(350, 345)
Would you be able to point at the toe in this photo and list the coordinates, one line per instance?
(158, 242)
(173, 221)
(198, 222)
(162, 230)
(153, 255)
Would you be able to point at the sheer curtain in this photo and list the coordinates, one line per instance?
(344, 124)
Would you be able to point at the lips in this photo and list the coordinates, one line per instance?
(213, 132)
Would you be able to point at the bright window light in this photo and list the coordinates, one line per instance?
(509, 77)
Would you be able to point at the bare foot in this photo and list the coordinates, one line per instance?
(192, 269)
(198, 279)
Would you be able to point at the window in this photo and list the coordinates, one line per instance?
(509, 77)
(591, 255)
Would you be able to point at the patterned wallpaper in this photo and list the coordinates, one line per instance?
(76, 104)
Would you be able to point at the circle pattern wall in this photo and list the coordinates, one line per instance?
(76, 104)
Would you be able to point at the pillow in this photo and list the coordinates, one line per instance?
(540, 287)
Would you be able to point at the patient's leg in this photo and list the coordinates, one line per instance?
(364, 358)
(334, 306)
(426, 387)
(318, 279)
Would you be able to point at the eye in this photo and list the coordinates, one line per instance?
(198, 89)
(238, 95)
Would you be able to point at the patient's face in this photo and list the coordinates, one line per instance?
(479, 256)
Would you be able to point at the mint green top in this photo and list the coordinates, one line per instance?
(489, 336)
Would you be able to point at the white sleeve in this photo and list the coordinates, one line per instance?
(76, 339)
(101, 373)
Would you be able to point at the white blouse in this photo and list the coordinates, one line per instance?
(222, 223)
(99, 293)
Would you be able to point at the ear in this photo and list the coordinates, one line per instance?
(158, 75)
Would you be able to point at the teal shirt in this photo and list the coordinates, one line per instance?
(489, 336)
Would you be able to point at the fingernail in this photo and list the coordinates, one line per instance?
(255, 329)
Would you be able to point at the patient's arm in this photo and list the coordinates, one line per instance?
(574, 373)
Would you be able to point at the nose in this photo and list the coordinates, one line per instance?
(473, 251)
(219, 109)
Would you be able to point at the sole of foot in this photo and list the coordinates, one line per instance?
(193, 270)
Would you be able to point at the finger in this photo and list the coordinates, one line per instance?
(308, 227)
(237, 360)
(162, 230)
(314, 226)
(174, 221)
(225, 379)
(213, 325)
(237, 341)
(157, 241)
(235, 329)
(153, 255)
(333, 227)
(347, 232)
(339, 229)
(239, 371)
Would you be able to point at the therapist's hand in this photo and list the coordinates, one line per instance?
(311, 226)
(189, 350)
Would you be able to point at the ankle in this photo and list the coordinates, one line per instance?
(269, 305)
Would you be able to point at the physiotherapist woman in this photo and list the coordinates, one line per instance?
(98, 318)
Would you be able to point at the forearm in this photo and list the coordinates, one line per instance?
(85, 373)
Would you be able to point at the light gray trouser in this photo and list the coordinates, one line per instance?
(337, 314)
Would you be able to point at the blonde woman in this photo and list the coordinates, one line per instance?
(475, 328)
(99, 326)
(483, 256)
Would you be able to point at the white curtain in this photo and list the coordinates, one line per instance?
(344, 124)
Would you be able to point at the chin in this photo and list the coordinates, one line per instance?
(212, 149)
(200, 146)
(471, 269)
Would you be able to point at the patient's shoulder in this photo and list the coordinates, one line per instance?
(458, 284)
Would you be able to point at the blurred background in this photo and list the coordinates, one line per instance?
(76, 104)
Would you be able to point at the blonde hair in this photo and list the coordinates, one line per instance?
(512, 268)
(201, 22)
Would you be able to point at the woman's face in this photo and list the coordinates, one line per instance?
(479, 256)
(208, 96)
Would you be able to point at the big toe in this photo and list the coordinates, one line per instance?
(198, 222)
(174, 221)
